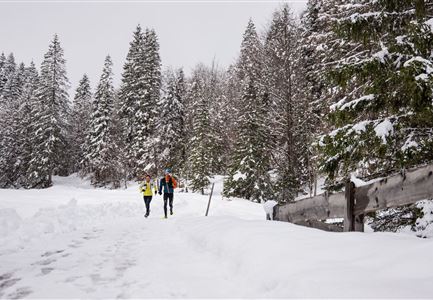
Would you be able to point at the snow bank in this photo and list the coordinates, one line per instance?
(268, 206)
(424, 225)
(16, 232)
(278, 259)
(9, 221)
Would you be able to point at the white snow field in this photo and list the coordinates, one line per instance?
(99, 245)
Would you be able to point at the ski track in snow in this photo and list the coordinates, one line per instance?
(101, 246)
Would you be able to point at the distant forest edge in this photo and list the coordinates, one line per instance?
(345, 90)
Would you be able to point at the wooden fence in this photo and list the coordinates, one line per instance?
(407, 187)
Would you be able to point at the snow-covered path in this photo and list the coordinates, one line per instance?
(130, 259)
(100, 246)
(118, 254)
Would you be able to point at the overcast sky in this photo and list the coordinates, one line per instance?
(189, 32)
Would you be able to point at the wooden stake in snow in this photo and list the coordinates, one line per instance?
(210, 197)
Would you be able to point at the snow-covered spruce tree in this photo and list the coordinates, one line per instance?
(387, 125)
(11, 94)
(118, 138)
(248, 175)
(101, 154)
(213, 88)
(80, 121)
(51, 115)
(139, 94)
(289, 115)
(229, 109)
(180, 92)
(171, 122)
(131, 91)
(312, 82)
(7, 69)
(2, 70)
(219, 119)
(145, 145)
(199, 148)
(26, 121)
(321, 49)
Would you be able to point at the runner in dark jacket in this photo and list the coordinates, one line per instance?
(168, 183)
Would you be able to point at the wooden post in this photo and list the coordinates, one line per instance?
(350, 203)
(210, 197)
(359, 223)
(351, 221)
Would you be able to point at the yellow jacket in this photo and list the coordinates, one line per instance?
(146, 188)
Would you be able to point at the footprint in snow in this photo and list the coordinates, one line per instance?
(49, 253)
(44, 262)
(20, 293)
(8, 283)
(72, 279)
(46, 271)
(75, 244)
(5, 276)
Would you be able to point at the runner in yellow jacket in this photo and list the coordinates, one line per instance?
(146, 188)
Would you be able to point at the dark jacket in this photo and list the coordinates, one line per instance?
(168, 185)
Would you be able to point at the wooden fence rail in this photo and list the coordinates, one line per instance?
(407, 187)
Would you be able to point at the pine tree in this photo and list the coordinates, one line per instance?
(387, 125)
(3, 77)
(218, 112)
(101, 155)
(385, 122)
(249, 167)
(11, 94)
(144, 145)
(118, 139)
(289, 115)
(321, 50)
(131, 91)
(199, 168)
(80, 121)
(51, 116)
(7, 69)
(248, 175)
(171, 122)
(180, 95)
(26, 121)
(2, 63)
(139, 95)
(227, 114)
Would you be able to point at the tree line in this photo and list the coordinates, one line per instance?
(347, 88)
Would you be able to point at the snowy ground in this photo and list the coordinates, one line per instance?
(100, 246)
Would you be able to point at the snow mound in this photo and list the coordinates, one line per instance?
(16, 232)
(424, 225)
(278, 259)
(9, 221)
(268, 206)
